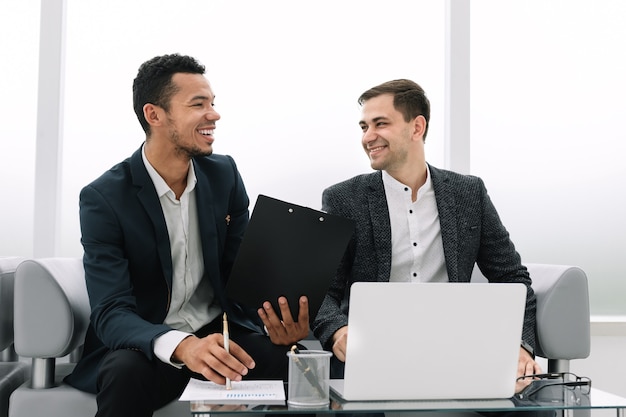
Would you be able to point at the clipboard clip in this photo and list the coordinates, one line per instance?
(321, 218)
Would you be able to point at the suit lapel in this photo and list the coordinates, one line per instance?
(381, 226)
(447, 219)
(149, 199)
(207, 227)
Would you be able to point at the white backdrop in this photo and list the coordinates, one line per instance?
(548, 135)
(547, 106)
(286, 77)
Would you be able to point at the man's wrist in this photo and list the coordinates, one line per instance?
(165, 345)
(338, 333)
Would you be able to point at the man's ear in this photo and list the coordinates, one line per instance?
(154, 114)
(419, 127)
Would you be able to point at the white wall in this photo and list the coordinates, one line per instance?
(286, 76)
(547, 106)
(546, 109)
(19, 40)
(605, 365)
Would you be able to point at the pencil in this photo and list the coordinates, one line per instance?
(226, 347)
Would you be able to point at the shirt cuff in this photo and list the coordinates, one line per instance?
(165, 345)
(528, 348)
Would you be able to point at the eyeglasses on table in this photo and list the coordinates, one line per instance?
(541, 384)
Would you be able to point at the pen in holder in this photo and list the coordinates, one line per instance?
(309, 373)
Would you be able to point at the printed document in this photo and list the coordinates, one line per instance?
(242, 392)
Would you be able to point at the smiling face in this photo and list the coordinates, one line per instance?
(391, 143)
(190, 120)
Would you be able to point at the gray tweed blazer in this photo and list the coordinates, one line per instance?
(471, 231)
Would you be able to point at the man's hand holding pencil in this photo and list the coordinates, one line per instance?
(209, 357)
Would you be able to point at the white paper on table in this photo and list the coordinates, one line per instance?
(242, 392)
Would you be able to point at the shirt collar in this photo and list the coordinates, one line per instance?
(159, 183)
(394, 185)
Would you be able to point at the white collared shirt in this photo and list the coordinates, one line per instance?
(416, 245)
(193, 302)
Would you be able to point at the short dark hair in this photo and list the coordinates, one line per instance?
(153, 83)
(408, 98)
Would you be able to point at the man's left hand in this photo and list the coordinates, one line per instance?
(526, 366)
(285, 331)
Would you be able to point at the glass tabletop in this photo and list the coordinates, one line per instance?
(561, 399)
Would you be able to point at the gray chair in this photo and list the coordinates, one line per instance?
(12, 372)
(52, 314)
(51, 319)
(563, 325)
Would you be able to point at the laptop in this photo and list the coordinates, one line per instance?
(432, 341)
(288, 250)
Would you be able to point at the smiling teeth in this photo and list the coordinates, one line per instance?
(206, 132)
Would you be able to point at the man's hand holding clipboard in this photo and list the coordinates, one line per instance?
(287, 330)
(287, 251)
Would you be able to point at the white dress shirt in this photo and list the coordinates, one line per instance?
(416, 245)
(193, 302)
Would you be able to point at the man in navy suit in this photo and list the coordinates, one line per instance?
(414, 222)
(160, 232)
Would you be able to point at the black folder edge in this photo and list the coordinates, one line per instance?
(288, 250)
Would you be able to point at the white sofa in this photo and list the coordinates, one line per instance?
(52, 314)
(51, 319)
(563, 326)
(13, 372)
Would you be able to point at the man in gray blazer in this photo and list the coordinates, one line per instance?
(414, 222)
(160, 233)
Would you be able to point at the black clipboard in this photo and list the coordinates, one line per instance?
(288, 250)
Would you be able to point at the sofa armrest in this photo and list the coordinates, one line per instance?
(8, 265)
(51, 307)
(563, 328)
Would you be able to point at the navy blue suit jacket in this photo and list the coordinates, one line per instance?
(471, 231)
(127, 257)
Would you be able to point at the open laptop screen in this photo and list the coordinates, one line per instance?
(433, 341)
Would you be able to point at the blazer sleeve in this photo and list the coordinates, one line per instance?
(499, 261)
(114, 312)
(333, 313)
